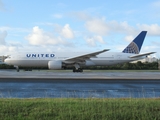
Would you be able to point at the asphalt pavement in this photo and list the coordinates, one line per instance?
(87, 75)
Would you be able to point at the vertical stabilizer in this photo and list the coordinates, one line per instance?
(136, 44)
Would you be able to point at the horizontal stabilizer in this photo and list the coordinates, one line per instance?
(140, 55)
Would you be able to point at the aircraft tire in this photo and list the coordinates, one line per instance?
(79, 70)
(74, 70)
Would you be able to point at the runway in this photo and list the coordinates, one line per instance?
(90, 84)
(87, 75)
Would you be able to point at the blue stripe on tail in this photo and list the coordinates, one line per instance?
(136, 44)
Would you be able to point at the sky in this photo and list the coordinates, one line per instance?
(77, 26)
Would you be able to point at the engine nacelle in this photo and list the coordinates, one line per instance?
(55, 65)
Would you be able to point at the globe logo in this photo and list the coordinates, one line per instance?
(132, 48)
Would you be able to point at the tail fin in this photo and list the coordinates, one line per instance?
(136, 44)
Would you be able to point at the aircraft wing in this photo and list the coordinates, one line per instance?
(85, 56)
(140, 55)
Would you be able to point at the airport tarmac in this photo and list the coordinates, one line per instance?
(86, 75)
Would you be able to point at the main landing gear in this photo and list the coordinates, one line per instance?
(78, 70)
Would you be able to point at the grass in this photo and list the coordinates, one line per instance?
(80, 109)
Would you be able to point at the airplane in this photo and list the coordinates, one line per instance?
(58, 61)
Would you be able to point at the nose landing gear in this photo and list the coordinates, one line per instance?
(17, 68)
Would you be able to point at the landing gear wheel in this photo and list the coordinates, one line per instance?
(77, 70)
(74, 70)
(80, 70)
(17, 70)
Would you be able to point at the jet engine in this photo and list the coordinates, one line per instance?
(55, 65)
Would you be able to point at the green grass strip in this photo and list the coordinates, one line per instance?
(79, 109)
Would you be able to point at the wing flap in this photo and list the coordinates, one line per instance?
(140, 55)
(85, 56)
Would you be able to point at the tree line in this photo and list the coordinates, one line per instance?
(126, 66)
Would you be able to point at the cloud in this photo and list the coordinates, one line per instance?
(129, 38)
(124, 27)
(40, 37)
(153, 29)
(3, 35)
(100, 26)
(67, 32)
(8, 50)
(93, 41)
(121, 27)
(3, 50)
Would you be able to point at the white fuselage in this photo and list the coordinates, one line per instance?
(42, 59)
